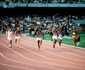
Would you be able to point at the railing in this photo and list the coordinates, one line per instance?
(42, 3)
(12, 5)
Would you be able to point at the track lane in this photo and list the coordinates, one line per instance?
(41, 51)
(59, 65)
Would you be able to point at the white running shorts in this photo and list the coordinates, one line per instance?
(9, 38)
(54, 37)
(39, 38)
(17, 37)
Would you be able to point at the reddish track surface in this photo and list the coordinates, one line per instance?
(28, 57)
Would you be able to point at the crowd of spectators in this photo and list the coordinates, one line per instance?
(44, 1)
(29, 23)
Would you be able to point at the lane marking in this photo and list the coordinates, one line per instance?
(17, 53)
(33, 60)
(47, 57)
(52, 52)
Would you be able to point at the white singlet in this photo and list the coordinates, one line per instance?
(9, 35)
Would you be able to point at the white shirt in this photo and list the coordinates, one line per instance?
(9, 34)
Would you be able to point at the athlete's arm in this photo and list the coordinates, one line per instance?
(60, 27)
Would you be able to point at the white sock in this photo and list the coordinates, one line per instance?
(10, 46)
(78, 43)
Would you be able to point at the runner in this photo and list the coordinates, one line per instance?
(17, 36)
(39, 35)
(74, 35)
(60, 36)
(9, 35)
(55, 34)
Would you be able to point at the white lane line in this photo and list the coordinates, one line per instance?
(75, 54)
(13, 65)
(23, 35)
(33, 59)
(54, 53)
(66, 46)
(44, 56)
(24, 63)
(74, 49)
(68, 52)
(48, 57)
(41, 61)
(62, 43)
(60, 55)
(51, 42)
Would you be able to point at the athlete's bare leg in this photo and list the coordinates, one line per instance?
(10, 43)
(54, 42)
(74, 42)
(38, 42)
(18, 43)
(60, 42)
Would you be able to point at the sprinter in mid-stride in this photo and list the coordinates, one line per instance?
(55, 34)
(17, 36)
(75, 35)
(60, 36)
(9, 35)
(39, 35)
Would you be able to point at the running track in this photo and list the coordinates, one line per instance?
(28, 57)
